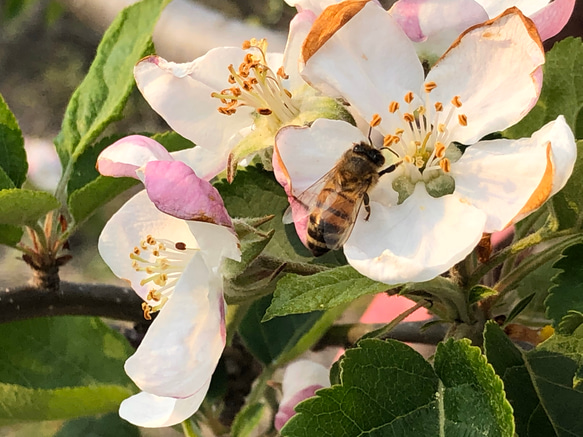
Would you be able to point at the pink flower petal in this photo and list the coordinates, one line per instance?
(125, 156)
(176, 190)
(552, 18)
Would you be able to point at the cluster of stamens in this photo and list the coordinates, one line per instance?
(257, 86)
(163, 261)
(426, 132)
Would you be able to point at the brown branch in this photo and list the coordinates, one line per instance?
(76, 299)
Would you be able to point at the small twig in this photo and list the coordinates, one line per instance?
(27, 302)
(346, 335)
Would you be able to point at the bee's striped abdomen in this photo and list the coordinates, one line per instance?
(329, 221)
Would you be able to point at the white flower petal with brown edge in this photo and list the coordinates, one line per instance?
(181, 94)
(367, 68)
(508, 179)
(182, 347)
(415, 241)
(151, 411)
(132, 223)
(495, 69)
(299, 28)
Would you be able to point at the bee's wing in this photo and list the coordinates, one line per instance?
(302, 205)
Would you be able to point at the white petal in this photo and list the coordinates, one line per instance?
(181, 94)
(496, 7)
(495, 70)
(321, 146)
(301, 374)
(298, 30)
(133, 222)
(181, 349)
(564, 150)
(128, 154)
(501, 176)
(216, 242)
(414, 241)
(443, 21)
(369, 62)
(206, 163)
(151, 411)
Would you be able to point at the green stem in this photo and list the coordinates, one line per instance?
(260, 384)
(513, 250)
(189, 430)
(383, 331)
(534, 261)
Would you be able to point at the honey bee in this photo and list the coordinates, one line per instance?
(333, 202)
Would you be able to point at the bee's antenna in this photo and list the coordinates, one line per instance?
(390, 150)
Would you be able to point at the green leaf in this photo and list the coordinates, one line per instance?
(100, 98)
(247, 420)
(110, 425)
(321, 291)
(10, 235)
(480, 292)
(539, 384)
(21, 404)
(20, 207)
(570, 323)
(268, 340)
(567, 294)
(567, 203)
(61, 368)
(474, 399)
(256, 193)
(252, 241)
(562, 90)
(12, 154)
(519, 307)
(387, 389)
(83, 202)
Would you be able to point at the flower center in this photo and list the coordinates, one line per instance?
(423, 139)
(257, 86)
(163, 261)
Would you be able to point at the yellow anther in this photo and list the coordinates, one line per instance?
(393, 107)
(441, 127)
(409, 118)
(147, 310)
(438, 106)
(429, 86)
(408, 159)
(419, 162)
(281, 73)
(445, 165)
(376, 120)
(456, 102)
(409, 97)
(150, 240)
(231, 79)
(439, 150)
(246, 45)
(421, 110)
(137, 250)
(399, 131)
(463, 119)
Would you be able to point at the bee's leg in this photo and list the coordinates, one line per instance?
(390, 168)
(366, 201)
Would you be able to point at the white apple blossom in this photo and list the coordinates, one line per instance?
(435, 24)
(168, 242)
(232, 101)
(301, 379)
(432, 210)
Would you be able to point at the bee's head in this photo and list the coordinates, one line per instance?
(369, 152)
